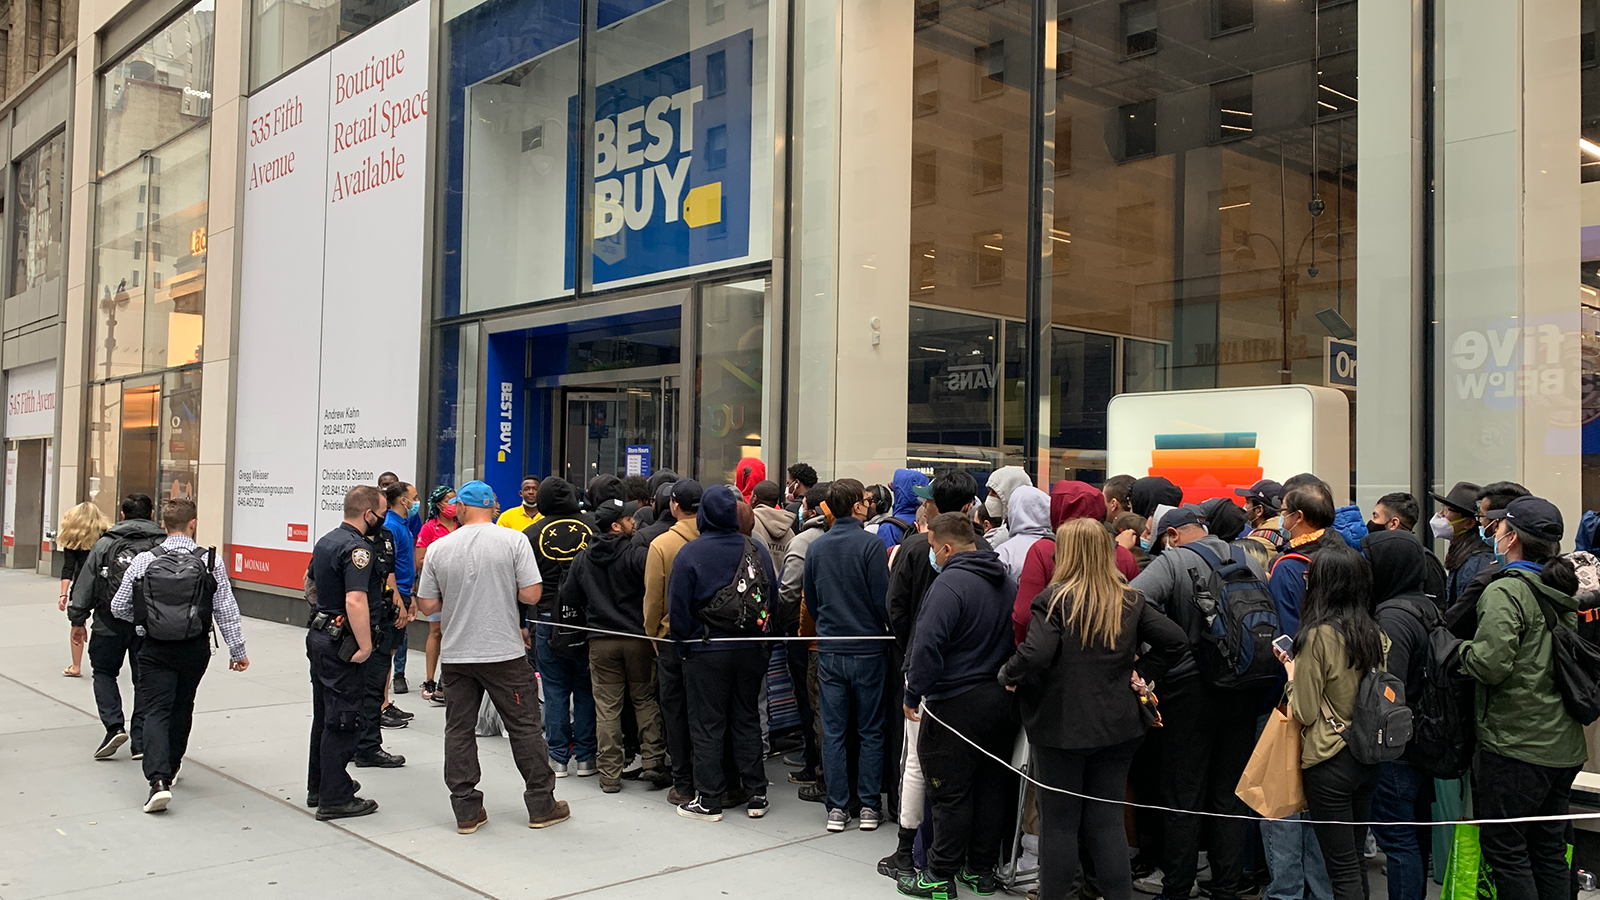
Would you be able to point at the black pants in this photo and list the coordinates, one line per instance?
(675, 717)
(1529, 859)
(1340, 790)
(724, 687)
(894, 728)
(971, 794)
(512, 689)
(374, 676)
(1206, 742)
(1097, 772)
(336, 688)
(798, 657)
(169, 675)
(106, 652)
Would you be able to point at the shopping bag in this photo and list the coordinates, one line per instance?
(1271, 784)
(489, 724)
(1467, 876)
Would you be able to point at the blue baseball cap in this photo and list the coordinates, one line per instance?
(476, 494)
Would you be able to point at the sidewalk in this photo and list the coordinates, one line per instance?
(238, 825)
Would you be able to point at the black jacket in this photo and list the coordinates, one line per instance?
(607, 580)
(909, 578)
(559, 537)
(1404, 612)
(144, 534)
(963, 631)
(1075, 697)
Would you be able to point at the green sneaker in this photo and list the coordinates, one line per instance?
(923, 883)
(983, 883)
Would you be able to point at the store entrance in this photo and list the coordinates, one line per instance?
(620, 428)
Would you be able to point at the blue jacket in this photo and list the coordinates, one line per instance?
(1288, 582)
(405, 552)
(964, 632)
(846, 585)
(1351, 523)
(706, 565)
(905, 505)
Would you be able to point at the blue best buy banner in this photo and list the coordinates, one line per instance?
(671, 164)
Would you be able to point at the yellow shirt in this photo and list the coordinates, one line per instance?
(517, 518)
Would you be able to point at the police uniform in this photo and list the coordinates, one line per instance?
(343, 561)
(375, 671)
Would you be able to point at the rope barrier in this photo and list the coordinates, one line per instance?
(713, 640)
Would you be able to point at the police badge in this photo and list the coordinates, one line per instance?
(362, 557)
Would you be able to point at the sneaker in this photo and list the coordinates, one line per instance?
(391, 718)
(925, 884)
(1150, 882)
(756, 806)
(657, 779)
(813, 793)
(382, 759)
(837, 819)
(108, 746)
(402, 713)
(314, 799)
(432, 693)
(471, 825)
(982, 883)
(1370, 849)
(137, 754)
(555, 816)
(679, 797)
(356, 807)
(587, 767)
(400, 687)
(560, 768)
(701, 808)
(870, 818)
(804, 776)
(795, 760)
(160, 796)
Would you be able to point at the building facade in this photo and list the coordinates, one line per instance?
(310, 241)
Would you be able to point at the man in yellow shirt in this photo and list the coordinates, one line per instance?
(520, 517)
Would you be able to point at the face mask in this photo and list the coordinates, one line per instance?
(1144, 544)
(1283, 532)
(1499, 555)
(416, 507)
(933, 560)
(374, 525)
(447, 511)
(1443, 528)
(992, 504)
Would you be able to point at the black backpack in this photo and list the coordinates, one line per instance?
(1443, 736)
(741, 608)
(172, 599)
(1576, 666)
(1238, 622)
(114, 565)
(1380, 723)
(906, 528)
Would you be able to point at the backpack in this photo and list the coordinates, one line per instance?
(1380, 723)
(1443, 737)
(172, 599)
(1238, 622)
(741, 607)
(114, 565)
(906, 529)
(1575, 665)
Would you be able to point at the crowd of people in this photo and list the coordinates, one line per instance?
(1133, 645)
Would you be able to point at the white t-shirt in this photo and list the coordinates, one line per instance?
(476, 571)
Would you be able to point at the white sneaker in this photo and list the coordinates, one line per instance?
(1371, 848)
(1150, 884)
(587, 767)
(559, 768)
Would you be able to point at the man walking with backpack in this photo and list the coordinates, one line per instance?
(103, 572)
(172, 594)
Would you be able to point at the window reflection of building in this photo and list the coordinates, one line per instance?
(39, 198)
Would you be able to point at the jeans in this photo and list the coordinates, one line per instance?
(799, 659)
(971, 794)
(515, 694)
(1400, 787)
(846, 682)
(566, 685)
(105, 660)
(402, 644)
(336, 689)
(1528, 859)
(1294, 858)
(1340, 790)
(169, 675)
(619, 666)
(675, 717)
(1063, 819)
(723, 687)
(1207, 739)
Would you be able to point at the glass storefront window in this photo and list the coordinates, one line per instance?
(159, 90)
(730, 377)
(178, 452)
(119, 272)
(40, 200)
(285, 33)
(953, 394)
(456, 405)
(103, 446)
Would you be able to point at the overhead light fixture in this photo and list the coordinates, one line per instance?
(1335, 324)
(1589, 147)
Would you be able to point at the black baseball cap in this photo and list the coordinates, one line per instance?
(1177, 518)
(612, 511)
(1532, 515)
(686, 492)
(1266, 492)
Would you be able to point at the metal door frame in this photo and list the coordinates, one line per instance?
(668, 377)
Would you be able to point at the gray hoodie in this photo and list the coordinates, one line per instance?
(1028, 520)
(1004, 482)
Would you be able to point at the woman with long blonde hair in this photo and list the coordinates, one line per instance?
(80, 528)
(1073, 675)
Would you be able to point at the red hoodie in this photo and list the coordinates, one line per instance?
(745, 476)
(1068, 500)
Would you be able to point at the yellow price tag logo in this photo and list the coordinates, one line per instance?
(703, 205)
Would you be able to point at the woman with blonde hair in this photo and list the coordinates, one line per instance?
(80, 528)
(1074, 675)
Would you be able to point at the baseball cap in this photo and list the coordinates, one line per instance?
(923, 491)
(1265, 492)
(1177, 518)
(1533, 515)
(612, 510)
(475, 494)
(686, 492)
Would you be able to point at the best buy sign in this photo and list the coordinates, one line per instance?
(671, 158)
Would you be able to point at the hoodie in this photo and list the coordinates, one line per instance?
(1068, 500)
(774, 528)
(906, 501)
(747, 474)
(793, 572)
(1404, 612)
(140, 535)
(1028, 520)
(846, 581)
(607, 580)
(1152, 491)
(963, 633)
(559, 537)
(1004, 481)
(708, 564)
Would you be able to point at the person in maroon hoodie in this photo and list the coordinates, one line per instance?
(1068, 500)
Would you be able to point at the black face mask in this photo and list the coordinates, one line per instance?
(374, 527)
(1374, 527)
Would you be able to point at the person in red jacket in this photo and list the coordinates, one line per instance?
(1068, 500)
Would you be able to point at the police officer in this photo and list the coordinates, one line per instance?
(339, 643)
(388, 615)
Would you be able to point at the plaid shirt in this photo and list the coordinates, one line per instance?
(224, 608)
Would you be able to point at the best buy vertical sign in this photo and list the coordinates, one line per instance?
(671, 160)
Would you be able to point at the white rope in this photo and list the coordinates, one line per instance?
(715, 640)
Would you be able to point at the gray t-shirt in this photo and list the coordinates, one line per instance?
(476, 572)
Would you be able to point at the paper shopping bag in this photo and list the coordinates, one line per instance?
(1271, 784)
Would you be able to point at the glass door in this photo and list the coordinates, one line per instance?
(628, 427)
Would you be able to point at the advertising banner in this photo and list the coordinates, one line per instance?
(49, 498)
(10, 534)
(331, 305)
(31, 401)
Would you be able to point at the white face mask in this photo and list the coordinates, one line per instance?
(992, 504)
(1442, 527)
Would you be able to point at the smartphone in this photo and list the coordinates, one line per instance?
(1284, 644)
